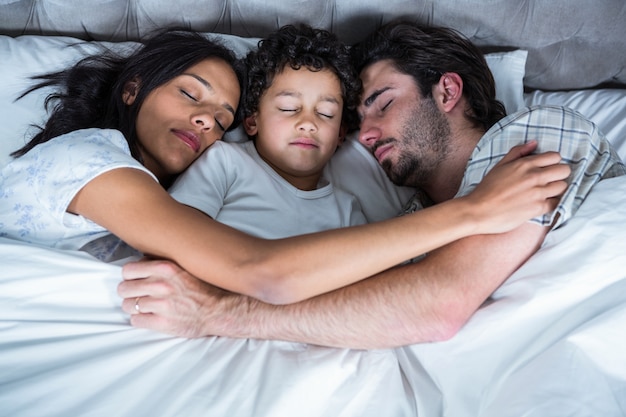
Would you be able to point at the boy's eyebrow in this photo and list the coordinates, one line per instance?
(330, 99)
(372, 97)
(290, 93)
(211, 89)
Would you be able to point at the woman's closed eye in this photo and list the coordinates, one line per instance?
(188, 95)
(221, 125)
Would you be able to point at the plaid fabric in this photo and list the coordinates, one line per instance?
(560, 129)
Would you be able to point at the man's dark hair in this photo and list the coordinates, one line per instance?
(426, 53)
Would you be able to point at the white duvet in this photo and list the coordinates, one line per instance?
(552, 342)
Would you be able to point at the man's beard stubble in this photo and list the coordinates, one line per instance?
(422, 146)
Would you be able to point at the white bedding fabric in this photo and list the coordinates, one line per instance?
(551, 343)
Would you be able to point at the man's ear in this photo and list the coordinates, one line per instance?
(448, 91)
(249, 125)
(131, 89)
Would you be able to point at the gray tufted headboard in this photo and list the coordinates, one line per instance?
(572, 44)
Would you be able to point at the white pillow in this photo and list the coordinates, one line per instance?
(25, 56)
(508, 69)
(606, 107)
(353, 169)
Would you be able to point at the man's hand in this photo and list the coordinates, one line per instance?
(161, 296)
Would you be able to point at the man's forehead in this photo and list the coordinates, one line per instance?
(379, 77)
(378, 71)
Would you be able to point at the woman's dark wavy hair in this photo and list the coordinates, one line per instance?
(89, 94)
(426, 53)
(301, 46)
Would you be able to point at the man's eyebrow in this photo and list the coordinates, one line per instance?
(211, 89)
(372, 97)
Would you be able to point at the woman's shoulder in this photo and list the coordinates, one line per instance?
(82, 140)
(95, 148)
(94, 136)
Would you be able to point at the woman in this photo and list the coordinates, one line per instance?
(124, 128)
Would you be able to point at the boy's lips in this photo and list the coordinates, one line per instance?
(305, 143)
(190, 138)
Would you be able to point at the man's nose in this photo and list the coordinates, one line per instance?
(369, 135)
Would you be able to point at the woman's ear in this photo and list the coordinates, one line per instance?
(249, 125)
(131, 89)
(449, 90)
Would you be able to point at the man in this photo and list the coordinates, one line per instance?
(429, 116)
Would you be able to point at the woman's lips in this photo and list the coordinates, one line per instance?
(190, 138)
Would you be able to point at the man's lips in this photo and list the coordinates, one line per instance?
(190, 138)
(381, 151)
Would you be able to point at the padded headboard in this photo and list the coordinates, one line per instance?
(572, 44)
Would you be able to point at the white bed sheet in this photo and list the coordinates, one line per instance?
(67, 350)
(551, 343)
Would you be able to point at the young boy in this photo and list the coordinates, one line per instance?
(300, 98)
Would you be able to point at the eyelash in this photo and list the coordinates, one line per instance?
(217, 122)
(294, 110)
(185, 93)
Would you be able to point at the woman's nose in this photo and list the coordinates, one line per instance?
(204, 120)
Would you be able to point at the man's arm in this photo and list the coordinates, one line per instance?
(422, 302)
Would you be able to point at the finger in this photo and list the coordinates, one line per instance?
(128, 305)
(149, 268)
(555, 189)
(135, 270)
(140, 305)
(545, 159)
(519, 151)
(153, 286)
(556, 173)
(132, 289)
(150, 321)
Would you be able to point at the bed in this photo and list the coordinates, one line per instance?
(550, 341)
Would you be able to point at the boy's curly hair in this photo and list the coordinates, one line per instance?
(301, 46)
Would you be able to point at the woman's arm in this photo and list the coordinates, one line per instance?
(287, 270)
(419, 302)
